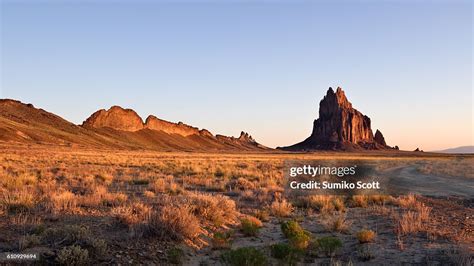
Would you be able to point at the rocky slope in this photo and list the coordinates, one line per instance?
(113, 128)
(340, 127)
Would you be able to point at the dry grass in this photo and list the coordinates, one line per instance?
(18, 200)
(175, 222)
(62, 202)
(360, 201)
(409, 223)
(131, 214)
(366, 236)
(407, 202)
(281, 208)
(337, 223)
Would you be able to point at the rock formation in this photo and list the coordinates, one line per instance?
(379, 138)
(244, 136)
(117, 118)
(154, 123)
(127, 120)
(340, 127)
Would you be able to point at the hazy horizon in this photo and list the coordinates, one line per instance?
(255, 67)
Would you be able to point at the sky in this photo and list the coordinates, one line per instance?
(257, 66)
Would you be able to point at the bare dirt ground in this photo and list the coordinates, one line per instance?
(81, 207)
(408, 178)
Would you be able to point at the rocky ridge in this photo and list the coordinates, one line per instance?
(118, 118)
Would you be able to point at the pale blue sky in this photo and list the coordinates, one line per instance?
(261, 67)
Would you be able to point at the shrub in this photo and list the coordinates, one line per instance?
(263, 215)
(329, 245)
(365, 236)
(300, 240)
(221, 240)
(244, 256)
(379, 199)
(175, 222)
(410, 223)
(322, 203)
(132, 214)
(67, 235)
(297, 236)
(281, 250)
(104, 178)
(29, 241)
(114, 199)
(407, 202)
(165, 185)
(281, 208)
(175, 256)
(339, 204)
(74, 235)
(424, 212)
(101, 197)
(338, 223)
(219, 173)
(360, 201)
(242, 184)
(149, 194)
(290, 228)
(285, 252)
(364, 253)
(250, 226)
(73, 255)
(17, 201)
(62, 201)
(216, 209)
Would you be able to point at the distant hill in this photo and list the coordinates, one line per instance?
(114, 128)
(462, 149)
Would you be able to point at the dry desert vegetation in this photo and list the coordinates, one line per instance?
(78, 206)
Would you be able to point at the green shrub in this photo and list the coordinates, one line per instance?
(281, 250)
(290, 228)
(297, 236)
(300, 240)
(285, 252)
(329, 245)
(247, 256)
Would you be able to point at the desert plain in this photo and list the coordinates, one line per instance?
(77, 206)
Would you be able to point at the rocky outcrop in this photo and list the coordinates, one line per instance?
(379, 138)
(206, 133)
(117, 118)
(340, 127)
(154, 123)
(244, 136)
